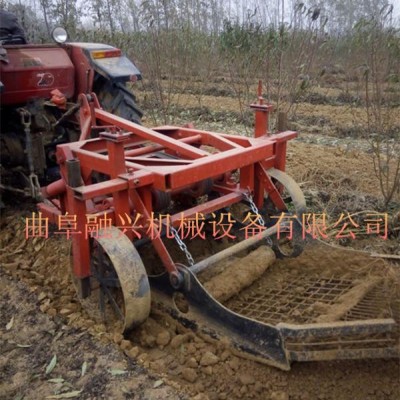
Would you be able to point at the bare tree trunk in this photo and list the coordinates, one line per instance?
(45, 6)
(110, 18)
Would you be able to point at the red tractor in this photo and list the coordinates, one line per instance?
(40, 103)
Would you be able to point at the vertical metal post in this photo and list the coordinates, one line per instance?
(74, 172)
(116, 157)
(80, 245)
(282, 121)
(280, 159)
(261, 114)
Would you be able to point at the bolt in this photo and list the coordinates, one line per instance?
(176, 279)
(136, 181)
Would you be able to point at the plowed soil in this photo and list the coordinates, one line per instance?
(40, 315)
(38, 296)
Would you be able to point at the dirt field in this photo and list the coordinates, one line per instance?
(85, 368)
(42, 317)
(38, 297)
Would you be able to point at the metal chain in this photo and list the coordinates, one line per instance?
(256, 211)
(26, 120)
(182, 246)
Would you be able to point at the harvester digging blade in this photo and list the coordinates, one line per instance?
(274, 344)
(120, 291)
(197, 309)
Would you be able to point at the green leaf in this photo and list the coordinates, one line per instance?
(51, 365)
(115, 372)
(24, 345)
(68, 395)
(84, 369)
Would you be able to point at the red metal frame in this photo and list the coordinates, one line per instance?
(140, 161)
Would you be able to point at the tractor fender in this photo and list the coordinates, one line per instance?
(106, 60)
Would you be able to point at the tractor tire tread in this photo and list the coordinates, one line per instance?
(116, 98)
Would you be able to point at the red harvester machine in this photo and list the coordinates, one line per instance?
(133, 173)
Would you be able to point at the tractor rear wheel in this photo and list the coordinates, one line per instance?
(117, 99)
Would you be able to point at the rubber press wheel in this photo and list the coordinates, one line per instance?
(295, 207)
(120, 290)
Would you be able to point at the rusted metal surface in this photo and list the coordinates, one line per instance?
(131, 276)
(118, 290)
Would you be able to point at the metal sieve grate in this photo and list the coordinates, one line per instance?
(296, 302)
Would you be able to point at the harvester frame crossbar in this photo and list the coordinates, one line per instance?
(129, 155)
